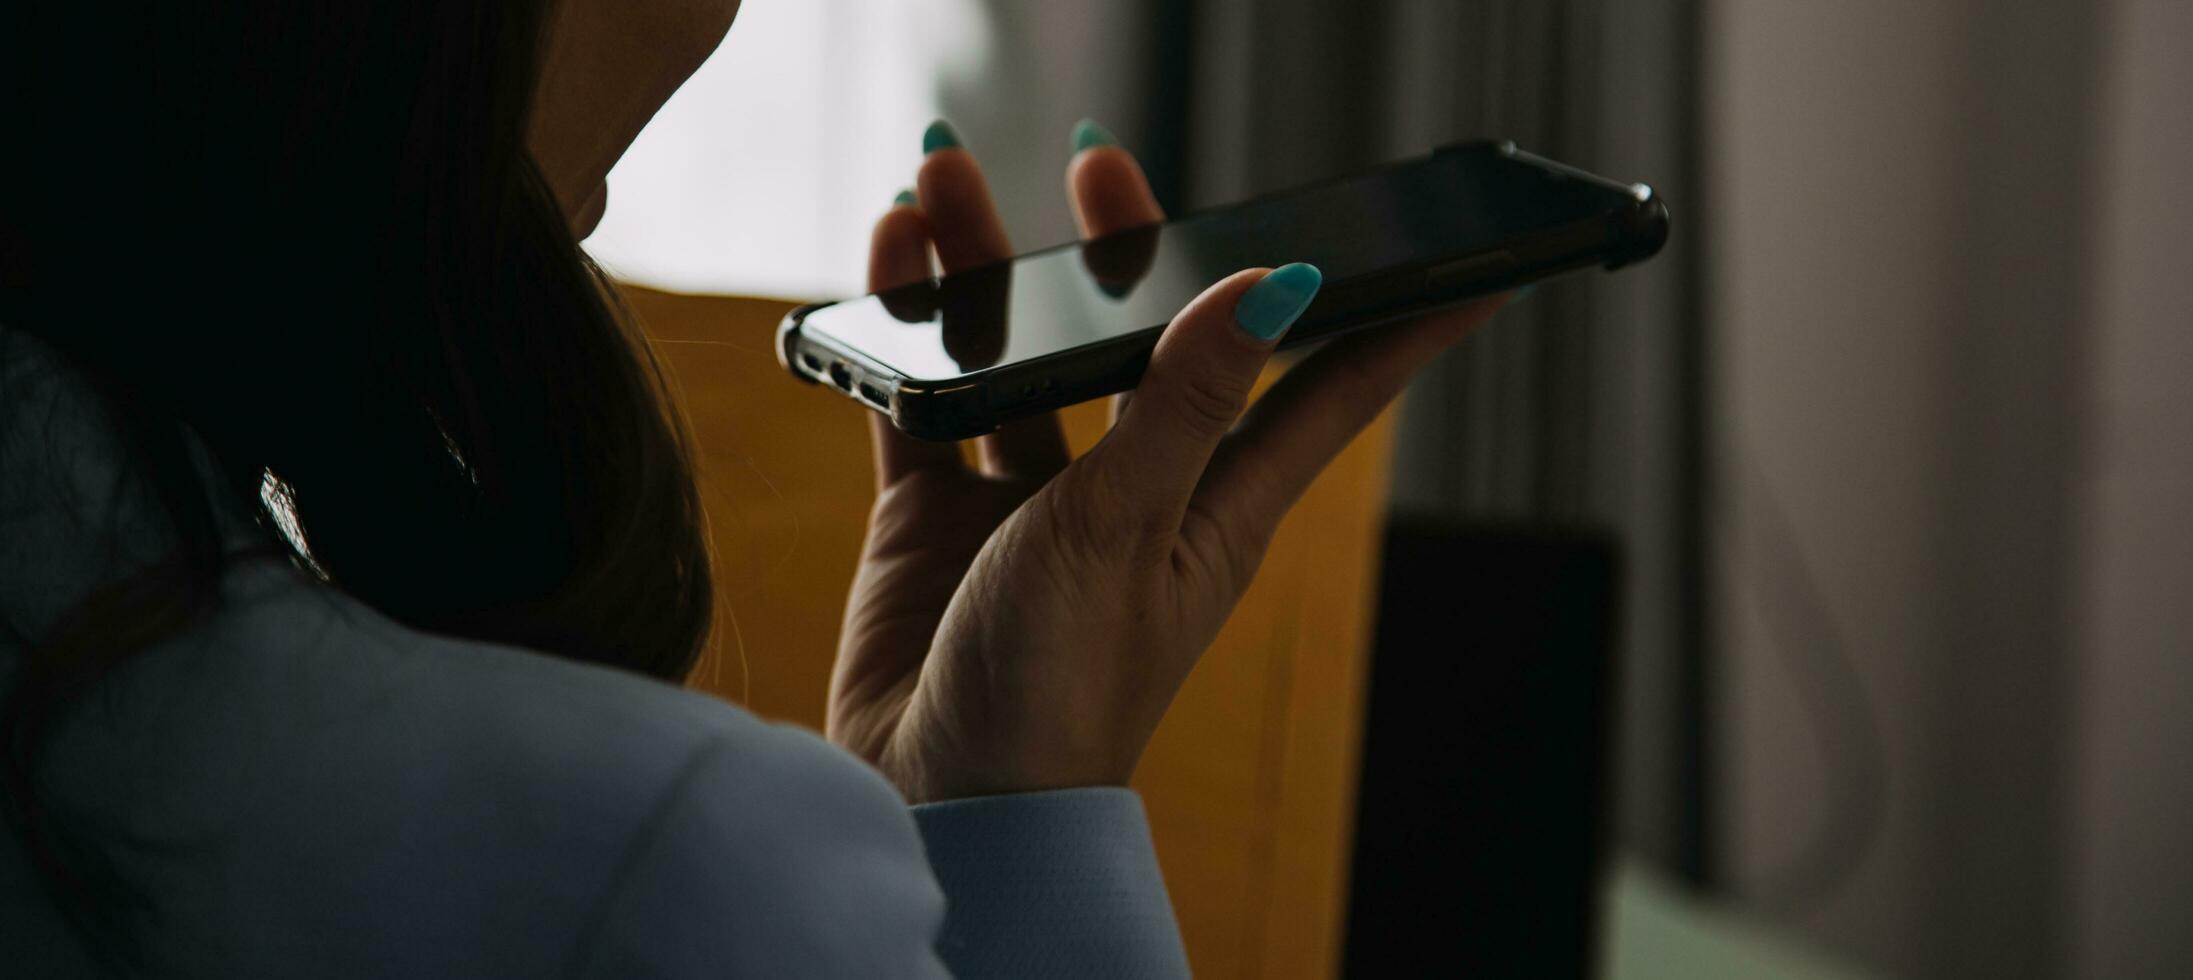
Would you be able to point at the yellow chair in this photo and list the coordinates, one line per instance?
(1250, 783)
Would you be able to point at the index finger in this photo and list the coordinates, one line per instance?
(968, 233)
(1109, 193)
(898, 253)
(1107, 186)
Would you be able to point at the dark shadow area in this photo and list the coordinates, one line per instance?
(1482, 810)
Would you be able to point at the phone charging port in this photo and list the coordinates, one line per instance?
(874, 395)
(841, 375)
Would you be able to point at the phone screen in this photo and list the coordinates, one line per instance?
(1457, 201)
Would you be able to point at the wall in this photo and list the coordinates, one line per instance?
(1952, 521)
(2132, 853)
(1830, 354)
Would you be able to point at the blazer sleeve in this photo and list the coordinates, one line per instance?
(1061, 884)
(792, 859)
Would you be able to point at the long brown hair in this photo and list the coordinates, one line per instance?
(309, 232)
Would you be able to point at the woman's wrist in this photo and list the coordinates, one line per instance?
(934, 774)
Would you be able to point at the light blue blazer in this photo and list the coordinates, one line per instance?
(301, 787)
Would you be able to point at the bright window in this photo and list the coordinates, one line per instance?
(764, 173)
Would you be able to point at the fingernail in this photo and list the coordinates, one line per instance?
(939, 136)
(904, 200)
(1271, 306)
(1088, 133)
(1523, 293)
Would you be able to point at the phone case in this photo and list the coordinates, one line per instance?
(977, 404)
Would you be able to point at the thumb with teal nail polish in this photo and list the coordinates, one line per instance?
(1277, 300)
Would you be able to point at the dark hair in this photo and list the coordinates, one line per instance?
(310, 232)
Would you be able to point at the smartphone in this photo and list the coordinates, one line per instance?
(957, 356)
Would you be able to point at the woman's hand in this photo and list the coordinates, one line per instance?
(1024, 623)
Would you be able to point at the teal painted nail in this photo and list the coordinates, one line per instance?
(1523, 293)
(939, 136)
(1271, 306)
(904, 200)
(1088, 133)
